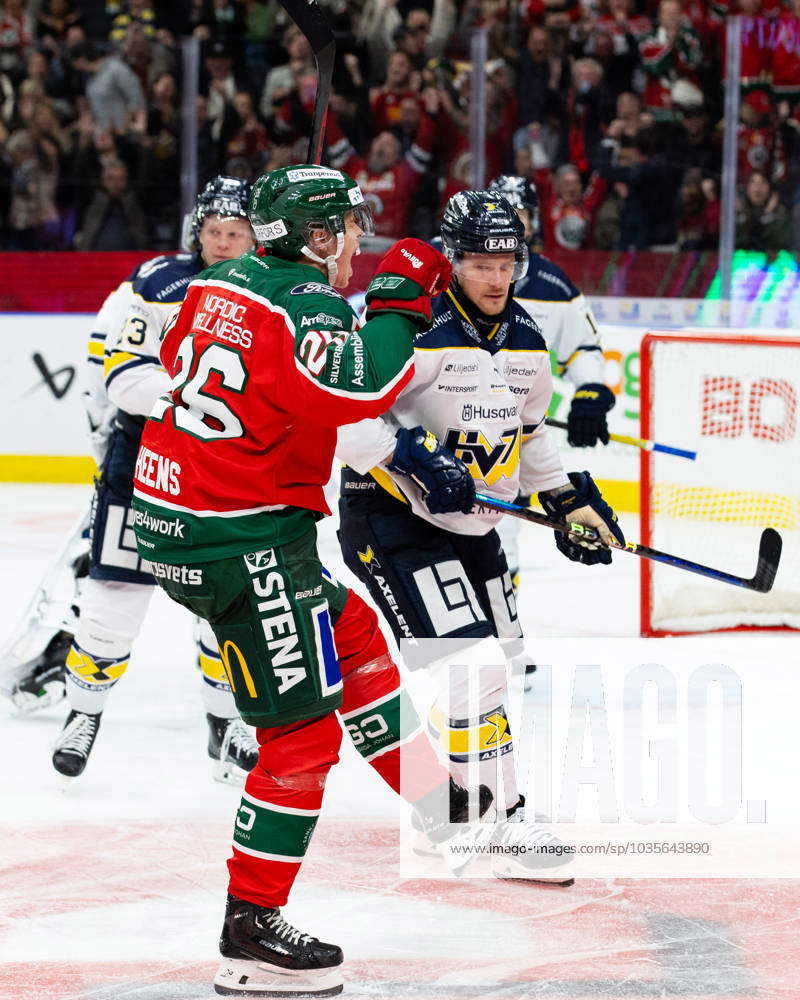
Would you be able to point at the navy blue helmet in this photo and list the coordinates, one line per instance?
(223, 196)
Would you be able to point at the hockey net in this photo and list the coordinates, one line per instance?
(734, 398)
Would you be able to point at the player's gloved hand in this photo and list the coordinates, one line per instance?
(406, 279)
(586, 421)
(445, 479)
(582, 503)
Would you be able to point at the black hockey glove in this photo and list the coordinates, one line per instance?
(586, 421)
(561, 504)
(445, 479)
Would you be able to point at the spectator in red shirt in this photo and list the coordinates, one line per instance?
(786, 57)
(567, 210)
(756, 139)
(387, 178)
(670, 52)
(385, 101)
(757, 44)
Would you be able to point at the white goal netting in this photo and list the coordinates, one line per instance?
(736, 401)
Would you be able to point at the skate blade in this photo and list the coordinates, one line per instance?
(244, 977)
(507, 874)
(556, 881)
(26, 703)
(227, 773)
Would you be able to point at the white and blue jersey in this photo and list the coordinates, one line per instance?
(485, 398)
(125, 378)
(134, 377)
(565, 318)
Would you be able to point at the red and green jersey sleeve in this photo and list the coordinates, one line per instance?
(265, 364)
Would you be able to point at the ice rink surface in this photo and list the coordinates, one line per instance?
(114, 886)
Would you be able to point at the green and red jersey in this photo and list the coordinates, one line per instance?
(266, 362)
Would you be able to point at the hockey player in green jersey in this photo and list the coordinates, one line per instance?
(267, 361)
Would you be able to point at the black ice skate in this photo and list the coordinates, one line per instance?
(40, 682)
(73, 746)
(232, 747)
(264, 956)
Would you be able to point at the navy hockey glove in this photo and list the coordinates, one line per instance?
(586, 421)
(578, 504)
(406, 279)
(448, 486)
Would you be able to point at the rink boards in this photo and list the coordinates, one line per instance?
(43, 427)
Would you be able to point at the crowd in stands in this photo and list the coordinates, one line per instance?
(614, 108)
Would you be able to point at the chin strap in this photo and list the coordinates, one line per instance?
(330, 262)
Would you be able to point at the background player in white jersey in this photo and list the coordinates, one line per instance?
(565, 318)
(32, 660)
(482, 385)
(570, 330)
(115, 597)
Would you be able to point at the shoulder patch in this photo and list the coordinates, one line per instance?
(148, 267)
(167, 282)
(315, 288)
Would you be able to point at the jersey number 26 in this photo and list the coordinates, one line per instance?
(190, 384)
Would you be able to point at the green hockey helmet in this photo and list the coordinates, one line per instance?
(289, 205)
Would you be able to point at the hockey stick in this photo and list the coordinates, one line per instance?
(769, 548)
(642, 443)
(308, 17)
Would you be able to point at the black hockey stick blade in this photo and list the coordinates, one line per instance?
(309, 18)
(769, 556)
(769, 549)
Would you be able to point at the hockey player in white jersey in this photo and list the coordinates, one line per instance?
(565, 318)
(479, 397)
(123, 382)
(32, 659)
(570, 330)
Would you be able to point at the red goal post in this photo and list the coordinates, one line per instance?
(734, 398)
